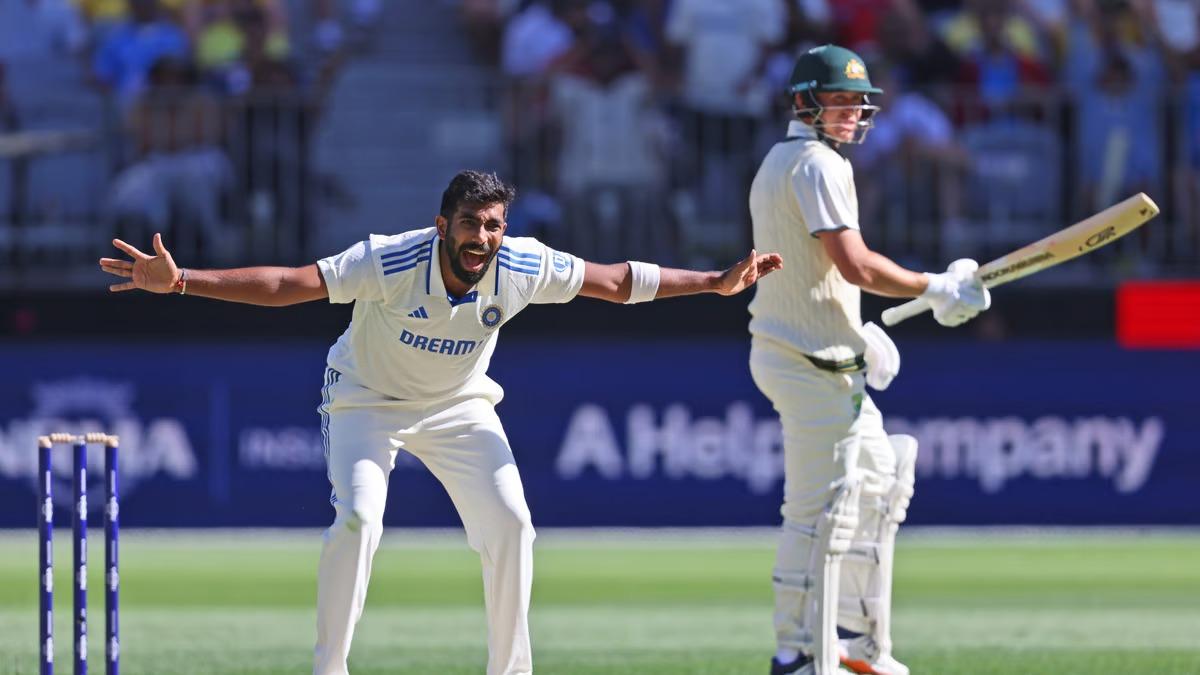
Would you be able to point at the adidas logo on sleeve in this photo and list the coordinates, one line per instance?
(419, 313)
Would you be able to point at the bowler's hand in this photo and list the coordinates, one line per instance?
(748, 271)
(154, 273)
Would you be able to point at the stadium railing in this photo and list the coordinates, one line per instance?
(62, 168)
(1008, 174)
(655, 183)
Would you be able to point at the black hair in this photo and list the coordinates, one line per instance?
(475, 188)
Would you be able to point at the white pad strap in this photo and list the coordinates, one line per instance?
(645, 278)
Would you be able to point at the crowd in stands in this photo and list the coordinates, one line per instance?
(637, 125)
(118, 41)
(995, 111)
(187, 83)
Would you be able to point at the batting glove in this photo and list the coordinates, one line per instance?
(955, 295)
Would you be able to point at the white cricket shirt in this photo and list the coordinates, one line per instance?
(408, 339)
(804, 187)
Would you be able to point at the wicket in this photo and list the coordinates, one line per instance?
(46, 549)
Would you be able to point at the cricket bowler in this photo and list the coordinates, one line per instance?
(410, 373)
(847, 483)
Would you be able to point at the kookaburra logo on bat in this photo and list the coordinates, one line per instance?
(1019, 265)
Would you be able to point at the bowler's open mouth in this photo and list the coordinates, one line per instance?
(473, 261)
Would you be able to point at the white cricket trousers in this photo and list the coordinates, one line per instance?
(830, 427)
(464, 446)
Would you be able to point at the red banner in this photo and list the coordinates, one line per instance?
(1159, 315)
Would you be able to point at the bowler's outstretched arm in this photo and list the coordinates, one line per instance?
(268, 286)
(614, 283)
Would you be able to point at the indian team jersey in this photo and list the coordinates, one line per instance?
(408, 339)
(804, 187)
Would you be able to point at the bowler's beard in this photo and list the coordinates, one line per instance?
(454, 251)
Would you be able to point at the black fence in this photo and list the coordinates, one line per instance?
(234, 182)
(229, 181)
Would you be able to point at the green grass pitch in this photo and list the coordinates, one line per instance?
(679, 602)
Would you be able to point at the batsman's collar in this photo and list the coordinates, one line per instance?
(489, 285)
(798, 129)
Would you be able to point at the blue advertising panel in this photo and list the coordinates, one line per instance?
(619, 432)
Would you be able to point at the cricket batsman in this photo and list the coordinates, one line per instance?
(847, 482)
(410, 373)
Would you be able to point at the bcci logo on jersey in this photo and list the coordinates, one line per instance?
(491, 316)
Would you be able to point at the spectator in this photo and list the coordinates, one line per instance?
(913, 151)
(123, 61)
(1000, 61)
(535, 39)
(272, 121)
(248, 48)
(1115, 73)
(920, 59)
(217, 40)
(809, 23)
(483, 21)
(610, 169)
(725, 46)
(264, 58)
(538, 35)
(856, 23)
(103, 16)
(329, 35)
(179, 176)
(988, 25)
(40, 29)
(1178, 22)
(907, 122)
(218, 30)
(643, 22)
(39, 40)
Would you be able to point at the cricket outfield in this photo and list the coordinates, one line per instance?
(697, 602)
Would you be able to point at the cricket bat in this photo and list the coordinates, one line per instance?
(1083, 237)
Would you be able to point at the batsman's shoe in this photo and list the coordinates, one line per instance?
(861, 655)
(803, 665)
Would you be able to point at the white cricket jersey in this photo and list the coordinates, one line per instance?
(804, 187)
(408, 339)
